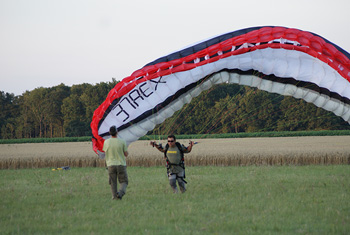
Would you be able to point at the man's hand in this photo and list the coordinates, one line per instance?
(158, 146)
(189, 148)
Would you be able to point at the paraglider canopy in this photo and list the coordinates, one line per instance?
(275, 59)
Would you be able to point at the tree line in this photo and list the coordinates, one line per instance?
(58, 111)
(64, 111)
(229, 108)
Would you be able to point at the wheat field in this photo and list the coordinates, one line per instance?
(218, 152)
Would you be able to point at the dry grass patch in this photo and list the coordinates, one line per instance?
(40, 155)
(254, 151)
(220, 152)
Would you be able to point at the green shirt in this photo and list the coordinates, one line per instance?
(174, 156)
(114, 149)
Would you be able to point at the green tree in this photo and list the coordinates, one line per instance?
(9, 111)
(25, 122)
(199, 116)
(54, 116)
(73, 111)
(93, 96)
(35, 106)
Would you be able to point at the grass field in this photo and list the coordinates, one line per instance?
(312, 150)
(280, 185)
(220, 200)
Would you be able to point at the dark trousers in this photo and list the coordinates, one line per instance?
(118, 173)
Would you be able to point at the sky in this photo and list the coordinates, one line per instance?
(44, 43)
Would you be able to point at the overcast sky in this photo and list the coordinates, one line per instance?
(44, 43)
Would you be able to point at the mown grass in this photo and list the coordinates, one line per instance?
(219, 200)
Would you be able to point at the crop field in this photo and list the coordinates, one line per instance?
(314, 150)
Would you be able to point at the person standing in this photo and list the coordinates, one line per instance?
(115, 152)
(174, 155)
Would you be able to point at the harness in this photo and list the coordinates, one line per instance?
(181, 163)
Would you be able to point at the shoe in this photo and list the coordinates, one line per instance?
(118, 197)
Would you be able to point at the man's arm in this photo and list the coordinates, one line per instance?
(126, 153)
(189, 148)
(157, 146)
